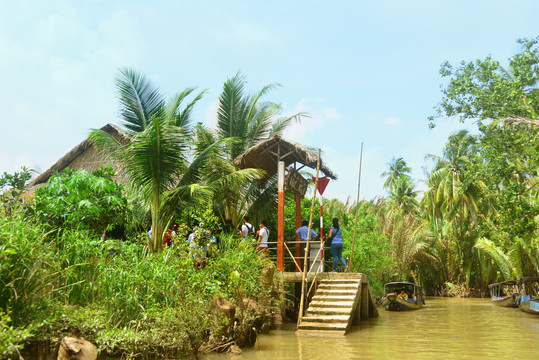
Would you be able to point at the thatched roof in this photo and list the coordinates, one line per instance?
(265, 156)
(84, 156)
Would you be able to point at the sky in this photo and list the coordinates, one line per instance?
(366, 72)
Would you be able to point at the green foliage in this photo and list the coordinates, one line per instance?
(114, 293)
(484, 89)
(482, 198)
(12, 189)
(372, 253)
(12, 339)
(77, 199)
(27, 270)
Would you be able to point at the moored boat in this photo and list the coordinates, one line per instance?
(529, 300)
(403, 296)
(504, 293)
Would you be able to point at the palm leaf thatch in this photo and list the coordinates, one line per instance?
(266, 154)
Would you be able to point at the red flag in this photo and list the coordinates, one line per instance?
(322, 183)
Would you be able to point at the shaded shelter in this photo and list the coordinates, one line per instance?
(273, 156)
(266, 154)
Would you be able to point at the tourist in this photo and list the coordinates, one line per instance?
(198, 246)
(303, 233)
(403, 294)
(171, 236)
(228, 228)
(263, 236)
(336, 244)
(246, 228)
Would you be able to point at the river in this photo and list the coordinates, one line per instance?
(446, 328)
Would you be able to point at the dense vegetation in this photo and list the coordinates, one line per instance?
(75, 257)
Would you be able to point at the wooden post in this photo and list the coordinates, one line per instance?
(280, 217)
(306, 261)
(349, 267)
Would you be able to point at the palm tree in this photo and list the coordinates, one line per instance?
(397, 169)
(456, 195)
(244, 120)
(403, 196)
(141, 101)
(155, 160)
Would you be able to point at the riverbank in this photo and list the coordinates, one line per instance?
(130, 302)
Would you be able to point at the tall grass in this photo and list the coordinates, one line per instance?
(27, 270)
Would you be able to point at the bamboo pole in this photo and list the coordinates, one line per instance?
(349, 267)
(303, 277)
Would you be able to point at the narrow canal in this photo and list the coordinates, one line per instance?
(447, 328)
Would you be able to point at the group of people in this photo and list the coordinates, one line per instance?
(201, 238)
(334, 237)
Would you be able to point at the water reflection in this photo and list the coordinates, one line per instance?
(445, 329)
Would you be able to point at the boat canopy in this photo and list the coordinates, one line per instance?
(392, 286)
(503, 283)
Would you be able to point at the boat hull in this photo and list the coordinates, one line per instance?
(506, 301)
(529, 306)
(395, 303)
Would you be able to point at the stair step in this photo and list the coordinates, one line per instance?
(326, 319)
(315, 304)
(320, 332)
(331, 298)
(336, 292)
(322, 326)
(338, 287)
(329, 311)
(345, 282)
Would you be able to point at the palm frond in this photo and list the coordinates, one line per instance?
(140, 100)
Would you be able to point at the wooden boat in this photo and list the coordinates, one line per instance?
(529, 300)
(403, 296)
(504, 293)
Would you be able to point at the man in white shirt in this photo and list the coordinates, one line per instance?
(246, 228)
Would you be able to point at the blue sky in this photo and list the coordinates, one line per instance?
(366, 71)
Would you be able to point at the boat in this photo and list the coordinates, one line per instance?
(505, 293)
(403, 296)
(529, 300)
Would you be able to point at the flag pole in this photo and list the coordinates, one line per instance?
(349, 267)
(306, 257)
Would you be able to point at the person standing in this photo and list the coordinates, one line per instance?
(336, 244)
(198, 246)
(228, 228)
(246, 228)
(263, 236)
(303, 233)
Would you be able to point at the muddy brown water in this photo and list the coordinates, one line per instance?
(447, 328)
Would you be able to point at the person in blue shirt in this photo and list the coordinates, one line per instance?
(303, 232)
(336, 244)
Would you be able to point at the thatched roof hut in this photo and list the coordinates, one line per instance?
(266, 154)
(86, 156)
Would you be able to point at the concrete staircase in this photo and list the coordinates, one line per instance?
(336, 304)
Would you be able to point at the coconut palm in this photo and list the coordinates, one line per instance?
(397, 169)
(403, 196)
(245, 120)
(457, 196)
(155, 159)
(141, 101)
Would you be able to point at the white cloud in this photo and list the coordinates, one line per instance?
(316, 119)
(393, 120)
